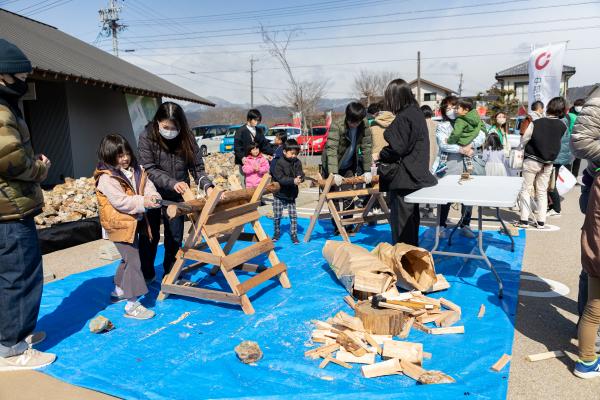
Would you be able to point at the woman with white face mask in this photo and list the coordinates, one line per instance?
(454, 163)
(500, 128)
(169, 153)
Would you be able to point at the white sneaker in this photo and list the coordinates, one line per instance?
(552, 213)
(467, 232)
(30, 359)
(138, 311)
(35, 338)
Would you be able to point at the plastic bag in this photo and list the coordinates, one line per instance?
(565, 181)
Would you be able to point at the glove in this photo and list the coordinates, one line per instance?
(337, 179)
(367, 177)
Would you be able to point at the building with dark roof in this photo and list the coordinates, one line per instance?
(517, 78)
(79, 93)
(583, 92)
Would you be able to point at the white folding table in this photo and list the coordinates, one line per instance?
(479, 191)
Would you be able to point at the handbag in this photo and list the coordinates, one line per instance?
(515, 158)
(565, 181)
(478, 166)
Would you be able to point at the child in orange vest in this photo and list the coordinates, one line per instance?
(124, 193)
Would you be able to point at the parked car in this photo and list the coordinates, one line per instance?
(291, 132)
(227, 142)
(315, 141)
(209, 137)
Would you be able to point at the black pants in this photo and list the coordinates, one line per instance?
(173, 231)
(575, 167)
(466, 212)
(582, 297)
(553, 195)
(405, 218)
(21, 282)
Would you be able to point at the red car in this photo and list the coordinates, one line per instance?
(315, 141)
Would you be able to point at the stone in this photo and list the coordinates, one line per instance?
(101, 324)
(70, 201)
(248, 352)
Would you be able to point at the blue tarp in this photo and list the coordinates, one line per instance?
(194, 357)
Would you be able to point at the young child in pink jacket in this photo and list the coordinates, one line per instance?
(255, 166)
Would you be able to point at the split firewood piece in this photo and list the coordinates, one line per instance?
(323, 334)
(406, 328)
(545, 356)
(450, 305)
(481, 311)
(350, 301)
(440, 284)
(426, 355)
(389, 367)
(348, 321)
(427, 318)
(501, 363)
(348, 357)
(428, 300)
(411, 370)
(323, 350)
(408, 351)
(350, 344)
(447, 318)
(435, 378)
(358, 337)
(325, 362)
(322, 325)
(325, 340)
(447, 331)
(419, 326)
(394, 307)
(381, 338)
(371, 340)
(370, 282)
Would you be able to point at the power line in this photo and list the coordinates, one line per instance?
(46, 7)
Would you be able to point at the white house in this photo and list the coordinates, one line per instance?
(517, 78)
(431, 93)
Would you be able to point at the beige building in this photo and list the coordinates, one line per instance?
(517, 78)
(431, 93)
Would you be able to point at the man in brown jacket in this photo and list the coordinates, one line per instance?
(21, 273)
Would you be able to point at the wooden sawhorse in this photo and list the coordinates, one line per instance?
(328, 196)
(224, 223)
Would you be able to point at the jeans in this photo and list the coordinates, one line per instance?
(583, 276)
(173, 231)
(21, 283)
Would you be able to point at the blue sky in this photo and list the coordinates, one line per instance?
(205, 46)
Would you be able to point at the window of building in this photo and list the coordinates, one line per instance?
(430, 96)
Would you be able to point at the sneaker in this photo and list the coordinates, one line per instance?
(467, 232)
(587, 370)
(522, 224)
(115, 298)
(552, 213)
(542, 227)
(138, 311)
(35, 338)
(276, 236)
(295, 239)
(30, 359)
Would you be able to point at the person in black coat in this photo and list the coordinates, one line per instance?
(404, 162)
(246, 136)
(169, 153)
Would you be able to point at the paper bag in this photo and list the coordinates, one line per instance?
(413, 266)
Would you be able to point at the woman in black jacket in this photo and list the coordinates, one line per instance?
(169, 153)
(404, 162)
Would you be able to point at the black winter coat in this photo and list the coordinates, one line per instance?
(243, 140)
(404, 162)
(286, 169)
(166, 168)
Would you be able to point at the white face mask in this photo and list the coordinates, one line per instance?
(578, 109)
(168, 134)
(451, 114)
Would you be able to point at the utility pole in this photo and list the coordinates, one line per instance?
(252, 61)
(460, 84)
(109, 17)
(419, 77)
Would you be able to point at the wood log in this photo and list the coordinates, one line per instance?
(355, 180)
(197, 205)
(380, 321)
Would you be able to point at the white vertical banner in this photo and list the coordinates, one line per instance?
(545, 72)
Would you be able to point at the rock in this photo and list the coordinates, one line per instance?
(248, 352)
(435, 377)
(101, 324)
(70, 201)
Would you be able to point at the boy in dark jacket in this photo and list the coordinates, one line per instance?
(280, 139)
(288, 172)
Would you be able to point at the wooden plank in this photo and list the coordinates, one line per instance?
(202, 256)
(360, 220)
(224, 226)
(351, 212)
(315, 217)
(406, 328)
(450, 305)
(201, 293)
(337, 220)
(426, 318)
(345, 356)
(247, 253)
(447, 331)
(350, 193)
(408, 351)
(545, 356)
(389, 367)
(260, 189)
(256, 280)
(323, 350)
(325, 362)
(481, 311)
(348, 321)
(501, 363)
(341, 363)
(381, 338)
(365, 281)
(350, 301)
(423, 328)
(371, 340)
(411, 369)
(229, 213)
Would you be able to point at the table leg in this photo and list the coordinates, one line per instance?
(482, 252)
(437, 229)
(462, 217)
(512, 241)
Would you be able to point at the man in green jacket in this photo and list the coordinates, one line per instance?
(348, 151)
(21, 171)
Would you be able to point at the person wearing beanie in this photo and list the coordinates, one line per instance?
(21, 171)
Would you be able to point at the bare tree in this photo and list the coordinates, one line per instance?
(302, 95)
(371, 84)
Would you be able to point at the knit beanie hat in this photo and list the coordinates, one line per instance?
(12, 59)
